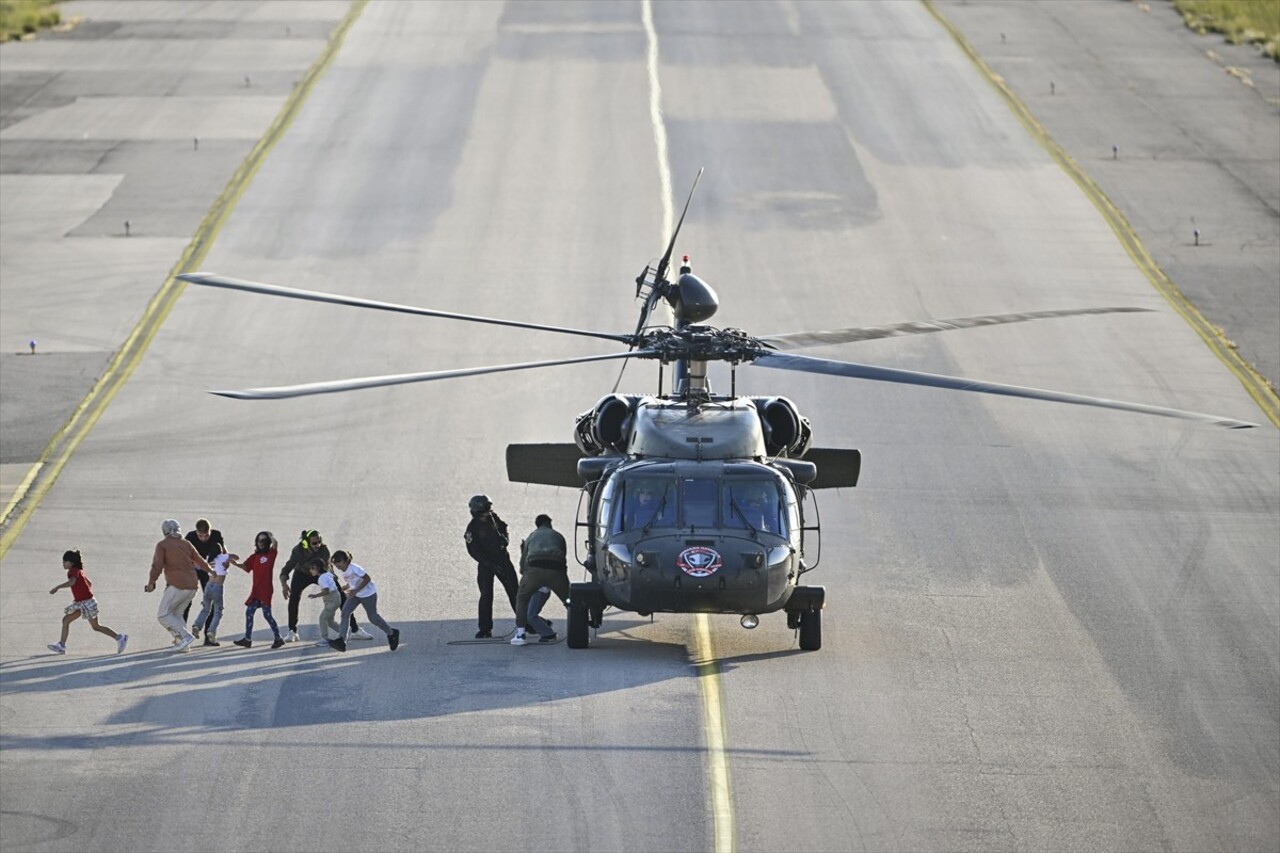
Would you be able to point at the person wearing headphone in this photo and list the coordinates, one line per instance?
(294, 578)
(487, 540)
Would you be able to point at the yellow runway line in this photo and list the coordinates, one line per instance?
(713, 725)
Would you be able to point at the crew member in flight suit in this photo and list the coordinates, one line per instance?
(487, 541)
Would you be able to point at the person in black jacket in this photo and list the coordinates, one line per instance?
(486, 539)
(208, 544)
(310, 545)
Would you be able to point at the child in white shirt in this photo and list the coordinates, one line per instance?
(361, 592)
(329, 593)
(211, 606)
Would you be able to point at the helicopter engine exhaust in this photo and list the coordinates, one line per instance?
(604, 428)
(750, 621)
(785, 429)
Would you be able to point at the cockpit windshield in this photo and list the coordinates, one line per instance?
(698, 502)
(754, 504)
(645, 503)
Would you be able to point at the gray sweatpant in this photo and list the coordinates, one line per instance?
(370, 605)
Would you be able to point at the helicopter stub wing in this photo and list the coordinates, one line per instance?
(854, 370)
(799, 340)
(837, 468)
(544, 464)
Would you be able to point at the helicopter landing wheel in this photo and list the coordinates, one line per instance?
(579, 636)
(810, 630)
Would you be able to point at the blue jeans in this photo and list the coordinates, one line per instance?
(530, 599)
(539, 625)
(211, 609)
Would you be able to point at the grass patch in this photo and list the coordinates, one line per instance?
(1240, 21)
(19, 18)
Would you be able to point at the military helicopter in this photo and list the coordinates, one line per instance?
(694, 502)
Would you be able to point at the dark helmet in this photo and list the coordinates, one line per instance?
(480, 503)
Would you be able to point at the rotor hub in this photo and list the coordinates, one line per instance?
(700, 343)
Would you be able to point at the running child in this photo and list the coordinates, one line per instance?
(361, 592)
(260, 565)
(82, 604)
(211, 606)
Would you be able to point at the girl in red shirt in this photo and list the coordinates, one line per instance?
(82, 604)
(261, 565)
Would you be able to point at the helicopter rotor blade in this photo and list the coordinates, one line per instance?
(853, 370)
(650, 301)
(214, 280)
(660, 275)
(799, 340)
(338, 386)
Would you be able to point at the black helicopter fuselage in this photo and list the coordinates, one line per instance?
(687, 536)
(691, 504)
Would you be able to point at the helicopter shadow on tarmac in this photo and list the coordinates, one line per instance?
(210, 694)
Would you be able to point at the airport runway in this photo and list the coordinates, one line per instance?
(1048, 628)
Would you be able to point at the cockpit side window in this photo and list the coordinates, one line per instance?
(608, 518)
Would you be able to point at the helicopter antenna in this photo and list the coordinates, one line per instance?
(658, 287)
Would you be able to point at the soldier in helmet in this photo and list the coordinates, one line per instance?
(487, 540)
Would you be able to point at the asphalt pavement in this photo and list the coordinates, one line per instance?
(111, 157)
(996, 686)
(1179, 130)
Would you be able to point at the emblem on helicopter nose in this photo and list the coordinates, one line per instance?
(699, 562)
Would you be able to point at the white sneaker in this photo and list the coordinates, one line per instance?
(359, 634)
(185, 644)
(291, 637)
(121, 641)
(518, 640)
(57, 648)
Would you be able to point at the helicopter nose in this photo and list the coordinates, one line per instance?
(750, 620)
